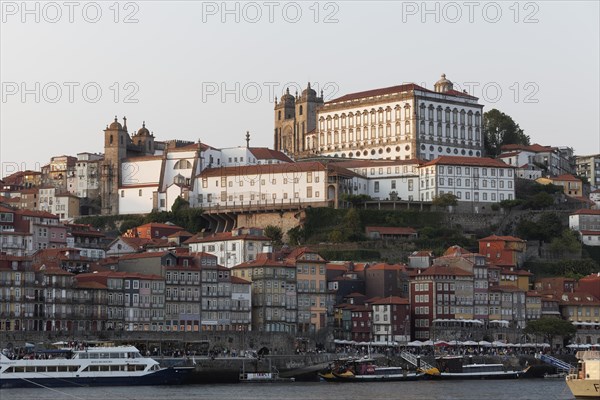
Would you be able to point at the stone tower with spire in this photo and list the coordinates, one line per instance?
(118, 146)
(295, 116)
(115, 149)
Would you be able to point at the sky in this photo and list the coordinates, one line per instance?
(209, 71)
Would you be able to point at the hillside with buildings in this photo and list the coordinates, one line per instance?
(376, 217)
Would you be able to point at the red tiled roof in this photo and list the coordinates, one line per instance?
(535, 148)
(391, 300)
(421, 253)
(435, 270)
(495, 238)
(150, 254)
(265, 260)
(91, 285)
(238, 280)
(35, 213)
(585, 211)
(336, 267)
(470, 161)
(590, 233)
(379, 92)
(264, 153)
(387, 267)
(565, 177)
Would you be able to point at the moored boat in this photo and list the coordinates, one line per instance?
(94, 366)
(365, 370)
(451, 367)
(584, 382)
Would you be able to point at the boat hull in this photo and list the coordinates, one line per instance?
(166, 376)
(584, 389)
(475, 376)
(376, 378)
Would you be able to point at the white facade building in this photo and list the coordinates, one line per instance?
(231, 248)
(400, 122)
(308, 183)
(470, 179)
(388, 180)
(587, 224)
(87, 176)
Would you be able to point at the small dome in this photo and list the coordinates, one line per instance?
(116, 124)
(287, 97)
(443, 85)
(143, 131)
(309, 92)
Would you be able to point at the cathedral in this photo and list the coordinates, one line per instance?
(396, 123)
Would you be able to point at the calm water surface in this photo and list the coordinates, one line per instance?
(526, 389)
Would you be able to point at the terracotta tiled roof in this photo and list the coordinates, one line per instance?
(238, 280)
(468, 161)
(535, 148)
(263, 169)
(391, 300)
(421, 253)
(91, 285)
(150, 254)
(437, 270)
(566, 177)
(264, 153)
(590, 233)
(379, 92)
(265, 260)
(35, 213)
(495, 238)
(585, 211)
(387, 267)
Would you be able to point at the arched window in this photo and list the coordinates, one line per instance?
(279, 115)
(300, 110)
(111, 139)
(182, 164)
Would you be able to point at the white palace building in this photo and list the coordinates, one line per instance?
(399, 122)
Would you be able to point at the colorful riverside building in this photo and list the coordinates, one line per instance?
(439, 292)
(315, 303)
(274, 292)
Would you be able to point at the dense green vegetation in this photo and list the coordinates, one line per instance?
(181, 214)
(500, 129)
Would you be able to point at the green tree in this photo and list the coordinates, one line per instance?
(275, 234)
(352, 225)
(445, 200)
(336, 236)
(296, 235)
(549, 328)
(500, 129)
(539, 201)
(568, 243)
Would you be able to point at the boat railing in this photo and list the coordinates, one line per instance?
(416, 361)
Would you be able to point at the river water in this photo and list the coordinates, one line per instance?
(526, 389)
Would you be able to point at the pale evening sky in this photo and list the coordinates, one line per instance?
(209, 70)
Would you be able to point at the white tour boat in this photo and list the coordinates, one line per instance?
(93, 366)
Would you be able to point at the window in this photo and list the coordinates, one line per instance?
(376, 187)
